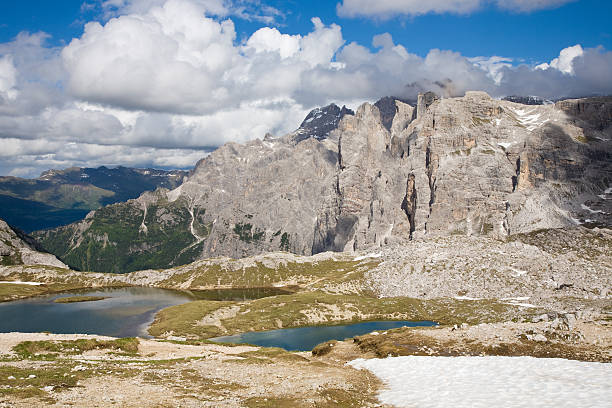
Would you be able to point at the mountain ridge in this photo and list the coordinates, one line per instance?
(471, 165)
(59, 197)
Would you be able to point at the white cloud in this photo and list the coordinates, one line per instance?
(8, 78)
(268, 39)
(384, 9)
(565, 61)
(173, 79)
(526, 6)
(493, 65)
(389, 8)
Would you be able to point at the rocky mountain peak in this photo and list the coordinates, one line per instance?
(388, 107)
(321, 121)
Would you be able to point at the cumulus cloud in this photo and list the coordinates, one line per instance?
(165, 84)
(565, 61)
(390, 8)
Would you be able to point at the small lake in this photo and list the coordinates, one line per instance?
(305, 338)
(127, 312)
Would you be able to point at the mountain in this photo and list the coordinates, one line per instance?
(527, 100)
(59, 197)
(17, 248)
(459, 166)
(320, 122)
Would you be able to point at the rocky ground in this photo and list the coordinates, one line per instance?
(545, 294)
(165, 374)
(177, 373)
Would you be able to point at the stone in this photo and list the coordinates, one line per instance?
(540, 338)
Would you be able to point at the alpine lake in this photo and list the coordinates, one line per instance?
(128, 312)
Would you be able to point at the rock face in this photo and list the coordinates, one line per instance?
(19, 249)
(320, 122)
(460, 166)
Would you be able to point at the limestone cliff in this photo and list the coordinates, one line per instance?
(19, 249)
(462, 166)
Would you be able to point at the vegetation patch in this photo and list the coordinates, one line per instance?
(31, 382)
(10, 291)
(319, 308)
(259, 276)
(247, 233)
(114, 241)
(183, 319)
(35, 349)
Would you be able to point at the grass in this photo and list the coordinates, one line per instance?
(56, 280)
(25, 386)
(319, 308)
(77, 299)
(183, 319)
(480, 121)
(9, 291)
(325, 272)
(34, 349)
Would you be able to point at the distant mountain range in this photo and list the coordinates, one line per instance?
(60, 197)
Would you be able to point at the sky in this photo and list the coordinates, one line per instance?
(160, 83)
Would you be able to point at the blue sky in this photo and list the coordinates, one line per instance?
(535, 37)
(159, 83)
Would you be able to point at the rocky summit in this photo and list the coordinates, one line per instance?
(472, 166)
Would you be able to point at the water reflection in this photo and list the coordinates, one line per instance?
(126, 312)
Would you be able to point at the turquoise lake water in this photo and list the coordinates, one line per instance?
(305, 338)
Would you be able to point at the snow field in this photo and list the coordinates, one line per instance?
(509, 382)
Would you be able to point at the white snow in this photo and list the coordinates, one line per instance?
(467, 298)
(520, 299)
(23, 283)
(518, 272)
(505, 145)
(514, 303)
(361, 258)
(592, 211)
(529, 119)
(475, 382)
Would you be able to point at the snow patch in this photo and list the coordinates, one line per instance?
(23, 283)
(459, 382)
(505, 145)
(467, 298)
(526, 305)
(592, 211)
(518, 272)
(529, 119)
(361, 258)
